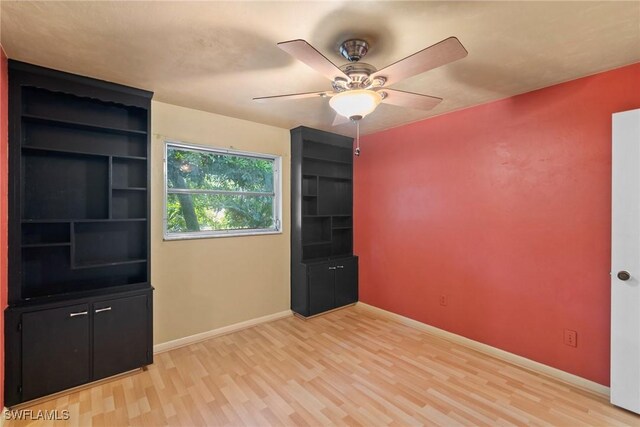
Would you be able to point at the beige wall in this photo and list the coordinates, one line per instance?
(205, 284)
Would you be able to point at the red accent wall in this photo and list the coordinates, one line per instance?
(505, 209)
(4, 198)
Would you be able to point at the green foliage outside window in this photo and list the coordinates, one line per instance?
(219, 191)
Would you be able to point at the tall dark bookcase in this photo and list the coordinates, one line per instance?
(324, 270)
(80, 301)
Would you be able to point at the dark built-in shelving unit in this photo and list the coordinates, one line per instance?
(78, 229)
(322, 222)
(83, 202)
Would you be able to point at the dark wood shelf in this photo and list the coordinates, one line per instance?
(45, 245)
(99, 264)
(325, 160)
(137, 158)
(320, 260)
(129, 188)
(322, 242)
(342, 228)
(79, 295)
(337, 178)
(46, 221)
(80, 125)
(317, 260)
(80, 153)
(309, 195)
(327, 216)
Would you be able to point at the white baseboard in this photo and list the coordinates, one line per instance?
(181, 342)
(523, 362)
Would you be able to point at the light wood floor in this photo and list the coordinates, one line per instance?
(349, 367)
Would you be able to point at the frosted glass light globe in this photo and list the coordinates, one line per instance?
(358, 102)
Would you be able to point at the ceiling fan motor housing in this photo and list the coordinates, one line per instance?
(359, 77)
(358, 73)
(354, 49)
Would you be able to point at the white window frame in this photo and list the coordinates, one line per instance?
(277, 188)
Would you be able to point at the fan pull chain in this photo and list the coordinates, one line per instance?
(357, 152)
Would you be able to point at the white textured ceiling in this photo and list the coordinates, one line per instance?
(216, 56)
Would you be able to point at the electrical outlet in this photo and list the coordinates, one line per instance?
(570, 338)
(443, 300)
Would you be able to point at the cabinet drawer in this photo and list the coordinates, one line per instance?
(55, 346)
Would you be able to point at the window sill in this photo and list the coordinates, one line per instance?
(197, 236)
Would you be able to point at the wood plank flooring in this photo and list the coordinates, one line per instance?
(350, 367)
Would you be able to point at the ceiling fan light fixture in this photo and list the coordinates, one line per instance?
(358, 102)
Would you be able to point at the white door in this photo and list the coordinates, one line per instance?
(625, 262)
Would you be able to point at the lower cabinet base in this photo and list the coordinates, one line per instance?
(303, 317)
(62, 393)
(56, 346)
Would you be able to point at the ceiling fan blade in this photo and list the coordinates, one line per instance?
(323, 94)
(340, 120)
(441, 53)
(410, 99)
(304, 52)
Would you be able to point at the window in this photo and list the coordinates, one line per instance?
(214, 192)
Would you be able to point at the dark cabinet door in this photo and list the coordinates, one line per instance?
(120, 335)
(346, 281)
(55, 346)
(321, 288)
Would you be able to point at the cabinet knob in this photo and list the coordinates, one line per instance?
(103, 309)
(624, 275)
(78, 313)
(340, 266)
(332, 268)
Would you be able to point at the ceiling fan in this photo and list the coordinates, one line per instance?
(358, 88)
